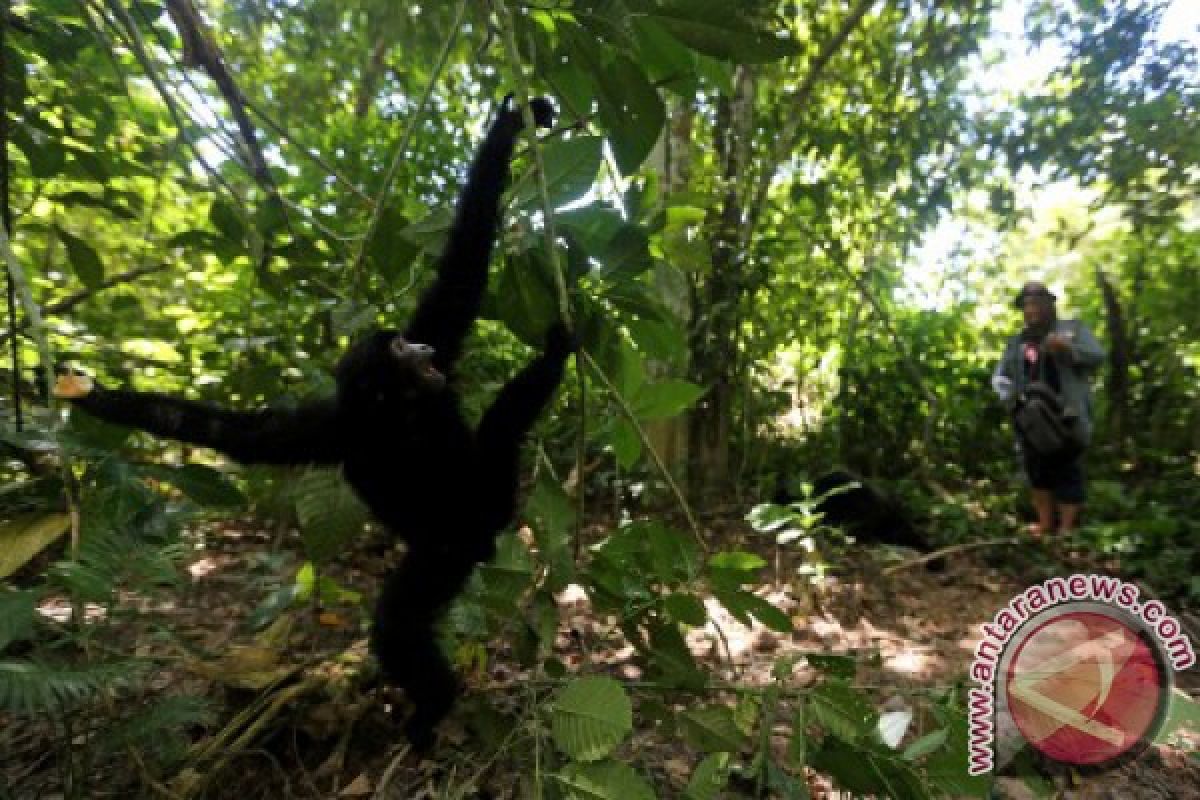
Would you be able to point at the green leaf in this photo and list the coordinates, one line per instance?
(392, 249)
(525, 297)
(16, 615)
(330, 513)
(738, 561)
(225, 218)
(204, 485)
(608, 780)
(83, 258)
(944, 768)
(667, 61)
(26, 535)
(709, 778)
(626, 443)
(713, 28)
(797, 751)
(571, 169)
(832, 665)
(674, 555)
(926, 744)
(591, 717)
(666, 399)
(631, 110)
(670, 659)
(508, 576)
(552, 517)
(712, 730)
(844, 713)
(740, 603)
(686, 608)
(270, 217)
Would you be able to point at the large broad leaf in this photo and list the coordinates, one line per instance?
(202, 484)
(674, 556)
(391, 249)
(609, 780)
(508, 576)
(869, 770)
(591, 717)
(743, 604)
(552, 517)
(330, 513)
(668, 63)
(709, 778)
(23, 537)
(714, 28)
(686, 608)
(631, 110)
(665, 399)
(712, 730)
(670, 659)
(83, 258)
(625, 442)
(622, 248)
(571, 169)
(842, 712)
(525, 298)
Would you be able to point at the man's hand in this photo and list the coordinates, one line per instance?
(1058, 343)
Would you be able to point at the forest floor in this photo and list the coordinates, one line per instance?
(912, 631)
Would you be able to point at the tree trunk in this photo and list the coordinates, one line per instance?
(672, 157)
(714, 330)
(1118, 363)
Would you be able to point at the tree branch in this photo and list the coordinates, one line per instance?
(381, 201)
(789, 138)
(72, 300)
(199, 50)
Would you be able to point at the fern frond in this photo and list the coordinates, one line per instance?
(35, 687)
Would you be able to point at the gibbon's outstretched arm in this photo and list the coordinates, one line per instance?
(518, 405)
(447, 309)
(507, 422)
(304, 435)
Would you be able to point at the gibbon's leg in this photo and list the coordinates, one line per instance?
(304, 435)
(446, 310)
(404, 634)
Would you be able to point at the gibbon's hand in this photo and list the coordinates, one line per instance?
(73, 386)
(542, 108)
(543, 111)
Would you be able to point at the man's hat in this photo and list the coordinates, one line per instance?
(1033, 289)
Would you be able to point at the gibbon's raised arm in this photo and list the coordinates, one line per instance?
(304, 435)
(446, 310)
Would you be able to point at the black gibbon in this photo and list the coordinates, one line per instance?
(851, 503)
(396, 428)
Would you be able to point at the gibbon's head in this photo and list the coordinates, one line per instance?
(383, 367)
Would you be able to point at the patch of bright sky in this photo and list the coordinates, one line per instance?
(939, 270)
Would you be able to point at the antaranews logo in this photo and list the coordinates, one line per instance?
(1079, 668)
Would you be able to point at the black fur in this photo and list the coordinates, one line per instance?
(398, 431)
(853, 504)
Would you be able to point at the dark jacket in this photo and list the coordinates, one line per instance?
(1075, 368)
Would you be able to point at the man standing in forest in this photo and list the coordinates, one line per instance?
(1062, 354)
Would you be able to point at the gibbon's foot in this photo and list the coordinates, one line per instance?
(73, 386)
